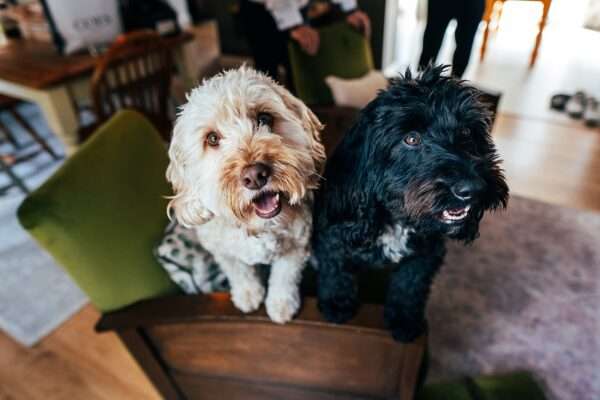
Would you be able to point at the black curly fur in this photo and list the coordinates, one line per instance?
(375, 180)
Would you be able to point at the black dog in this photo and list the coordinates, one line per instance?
(418, 166)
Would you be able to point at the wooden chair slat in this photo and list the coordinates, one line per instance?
(135, 73)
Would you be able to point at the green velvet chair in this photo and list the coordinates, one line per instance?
(343, 52)
(100, 215)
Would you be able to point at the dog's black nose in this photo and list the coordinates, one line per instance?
(467, 189)
(255, 176)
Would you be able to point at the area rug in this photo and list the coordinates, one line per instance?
(525, 296)
(36, 296)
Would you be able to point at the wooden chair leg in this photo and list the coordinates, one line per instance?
(33, 133)
(487, 18)
(498, 15)
(5, 167)
(542, 26)
(9, 136)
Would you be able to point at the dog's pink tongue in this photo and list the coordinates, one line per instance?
(267, 202)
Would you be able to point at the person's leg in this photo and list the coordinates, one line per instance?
(265, 40)
(468, 19)
(439, 14)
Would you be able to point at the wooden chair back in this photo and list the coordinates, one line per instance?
(135, 73)
(202, 347)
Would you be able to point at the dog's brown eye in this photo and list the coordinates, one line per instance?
(212, 139)
(264, 118)
(412, 139)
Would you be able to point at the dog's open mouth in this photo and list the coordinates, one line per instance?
(452, 215)
(267, 204)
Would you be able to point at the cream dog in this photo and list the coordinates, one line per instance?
(245, 158)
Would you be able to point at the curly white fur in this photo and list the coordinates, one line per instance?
(209, 195)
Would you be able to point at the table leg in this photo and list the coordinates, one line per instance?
(60, 115)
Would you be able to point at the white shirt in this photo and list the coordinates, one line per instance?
(287, 12)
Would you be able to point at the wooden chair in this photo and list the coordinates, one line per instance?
(135, 73)
(20, 152)
(492, 15)
(202, 347)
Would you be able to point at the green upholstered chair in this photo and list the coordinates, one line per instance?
(100, 216)
(513, 386)
(101, 213)
(343, 52)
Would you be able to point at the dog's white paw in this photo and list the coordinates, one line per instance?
(282, 305)
(248, 297)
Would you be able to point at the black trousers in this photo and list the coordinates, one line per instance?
(267, 43)
(468, 14)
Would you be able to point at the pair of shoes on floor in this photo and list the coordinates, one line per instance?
(578, 106)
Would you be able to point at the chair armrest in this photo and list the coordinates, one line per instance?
(199, 308)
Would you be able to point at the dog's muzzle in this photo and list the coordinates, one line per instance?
(266, 203)
(465, 192)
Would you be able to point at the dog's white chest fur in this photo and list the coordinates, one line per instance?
(394, 242)
(221, 237)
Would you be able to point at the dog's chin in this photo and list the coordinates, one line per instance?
(459, 223)
(268, 204)
(454, 216)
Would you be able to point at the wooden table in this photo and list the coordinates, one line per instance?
(34, 71)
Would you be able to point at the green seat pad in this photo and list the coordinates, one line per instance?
(101, 213)
(343, 52)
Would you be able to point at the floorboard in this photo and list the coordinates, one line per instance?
(73, 362)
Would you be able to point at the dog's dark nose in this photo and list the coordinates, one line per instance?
(255, 176)
(467, 189)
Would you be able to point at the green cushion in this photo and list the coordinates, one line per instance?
(444, 391)
(101, 213)
(513, 386)
(517, 386)
(343, 52)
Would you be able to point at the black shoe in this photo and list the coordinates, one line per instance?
(559, 101)
(575, 107)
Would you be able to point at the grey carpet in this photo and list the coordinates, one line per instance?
(525, 296)
(36, 296)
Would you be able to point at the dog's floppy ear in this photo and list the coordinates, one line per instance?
(310, 123)
(185, 203)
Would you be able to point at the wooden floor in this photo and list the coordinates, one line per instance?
(544, 159)
(72, 363)
(556, 163)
